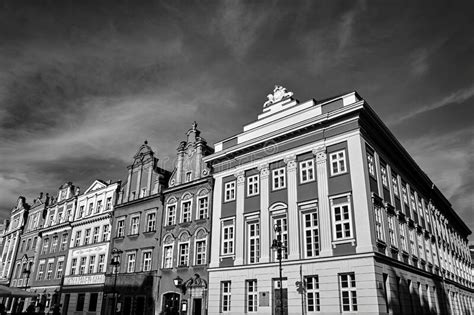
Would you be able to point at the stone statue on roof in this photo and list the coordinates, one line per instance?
(279, 93)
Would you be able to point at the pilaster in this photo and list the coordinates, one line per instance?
(323, 201)
(239, 218)
(293, 235)
(148, 182)
(139, 182)
(179, 167)
(216, 224)
(264, 215)
(129, 183)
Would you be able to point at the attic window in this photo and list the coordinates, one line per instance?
(188, 176)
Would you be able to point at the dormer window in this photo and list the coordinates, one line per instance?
(143, 192)
(188, 176)
(91, 207)
(99, 206)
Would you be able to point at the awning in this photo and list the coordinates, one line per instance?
(16, 292)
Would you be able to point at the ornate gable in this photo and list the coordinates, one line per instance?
(96, 185)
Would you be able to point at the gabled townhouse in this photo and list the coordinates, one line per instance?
(88, 255)
(47, 277)
(133, 279)
(185, 241)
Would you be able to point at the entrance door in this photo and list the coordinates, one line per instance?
(197, 305)
(171, 304)
(66, 303)
(280, 297)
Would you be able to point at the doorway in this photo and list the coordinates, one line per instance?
(197, 306)
(280, 297)
(171, 303)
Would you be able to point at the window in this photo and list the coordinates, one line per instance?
(229, 191)
(252, 296)
(171, 215)
(227, 238)
(391, 231)
(306, 171)
(225, 296)
(279, 178)
(131, 262)
(379, 223)
(101, 265)
(312, 293)
(186, 211)
(93, 302)
(421, 252)
(45, 246)
(95, 237)
(405, 193)
(188, 176)
(252, 185)
(134, 225)
(371, 163)
(347, 284)
(337, 161)
(396, 190)
(91, 208)
(99, 206)
(108, 203)
(203, 205)
(341, 222)
(87, 237)
(64, 242)
(253, 236)
(77, 240)
(383, 174)
(121, 228)
(82, 266)
(412, 242)
(40, 271)
(403, 236)
(73, 266)
(283, 236)
(105, 233)
(413, 202)
(54, 244)
(151, 222)
(200, 252)
(81, 212)
(91, 264)
(311, 234)
(28, 244)
(143, 192)
(49, 274)
(183, 254)
(146, 261)
(168, 256)
(59, 269)
(81, 297)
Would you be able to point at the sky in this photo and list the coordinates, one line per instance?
(84, 83)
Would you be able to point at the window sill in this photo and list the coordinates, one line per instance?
(133, 235)
(394, 249)
(279, 188)
(149, 232)
(230, 200)
(339, 174)
(344, 241)
(307, 181)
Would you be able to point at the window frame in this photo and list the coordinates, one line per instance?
(133, 227)
(59, 268)
(199, 209)
(120, 228)
(348, 203)
(253, 185)
(173, 206)
(190, 214)
(279, 178)
(230, 190)
(315, 248)
(304, 170)
(255, 257)
(314, 292)
(144, 261)
(335, 158)
(148, 220)
(226, 296)
(166, 258)
(229, 240)
(251, 294)
(186, 255)
(197, 253)
(130, 262)
(350, 289)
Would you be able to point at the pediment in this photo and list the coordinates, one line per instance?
(96, 185)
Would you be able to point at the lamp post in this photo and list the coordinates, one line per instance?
(115, 262)
(278, 246)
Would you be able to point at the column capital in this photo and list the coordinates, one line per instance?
(320, 153)
(240, 175)
(290, 161)
(264, 171)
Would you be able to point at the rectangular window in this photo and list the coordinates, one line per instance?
(81, 297)
(171, 215)
(229, 191)
(95, 236)
(203, 206)
(403, 236)
(421, 252)
(341, 222)
(383, 174)
(73, 266)
(91, 208)
(143, 192)
(225, 296)
(168, 256)
(49, 275)
(307, 171)
(396, 190)
(227, 239)
(278, 178)
(379, 223)
(82, 266)
(201, 252)
(64, 242)
(146, 261)
(252, 185)
(131, 262)
(253, 235)
(108, 203)
(252, 296)
(87, 237)
(45, 246)
(101, 265)
(81, 212)
(391, 231)
(348, 292)
(59, 269)
(282, 237)
(312, 293)
(186, 211)
(99, 206)
(105, 233)
(91, 264)
(40, 271)
(371, 163)
(151, 222)
(311, 234)
(183, 254)
(134, 225)
(54, 244)
(93, 302)
(412, 242)
(77, 240)
(337, 160)
(405, 193)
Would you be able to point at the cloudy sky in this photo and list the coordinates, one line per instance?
(84, 83)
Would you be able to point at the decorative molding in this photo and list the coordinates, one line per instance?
(240, 177)
(290, 161)
(279, 93)
(320, 153)
(264, 171)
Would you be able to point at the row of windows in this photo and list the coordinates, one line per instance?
(185, 215)
(92, 235)
(184, 256)
(55, 244)
(88, 264)
(94, 210)
(347, 294)
(131, 261)
(307, 173)
(27, 244)
(46, 270)
(134, 224)
(342, 231)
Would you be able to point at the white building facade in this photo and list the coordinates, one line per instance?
(305, 168)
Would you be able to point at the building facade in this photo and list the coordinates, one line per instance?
(135, 236)
(47, 277)
(88, 255)
(186, 230)
(361, 228)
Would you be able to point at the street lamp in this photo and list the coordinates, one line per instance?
(278, 246)
(115, 262)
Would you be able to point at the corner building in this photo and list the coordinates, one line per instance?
(365, 230)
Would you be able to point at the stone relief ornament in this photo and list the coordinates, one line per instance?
(264, 171)
(279, 93)
(320, 153)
